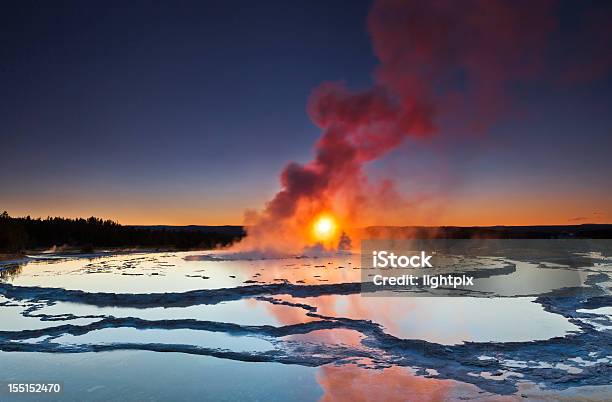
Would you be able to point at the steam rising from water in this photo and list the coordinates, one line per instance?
(442, 59)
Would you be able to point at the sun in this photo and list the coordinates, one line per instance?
(324, 228)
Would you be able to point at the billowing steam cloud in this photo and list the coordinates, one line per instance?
(448, 59)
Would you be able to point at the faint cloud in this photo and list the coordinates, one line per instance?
(594, 215)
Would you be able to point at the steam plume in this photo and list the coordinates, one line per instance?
(437, 59)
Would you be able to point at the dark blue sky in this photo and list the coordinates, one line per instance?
(185, 112)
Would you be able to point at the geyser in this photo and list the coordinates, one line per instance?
(421, 46)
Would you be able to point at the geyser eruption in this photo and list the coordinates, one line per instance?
(438, 59)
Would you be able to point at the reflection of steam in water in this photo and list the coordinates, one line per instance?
(448, 321)
(316, 322)
(356, 383)
(337, 336)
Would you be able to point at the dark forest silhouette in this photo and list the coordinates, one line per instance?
(18, 234)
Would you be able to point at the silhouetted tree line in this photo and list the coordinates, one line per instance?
(584, 231)
(17, 234)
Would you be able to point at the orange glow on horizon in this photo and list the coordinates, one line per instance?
(510, 209)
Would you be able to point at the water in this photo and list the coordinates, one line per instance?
(184, 326)
(449, 321)
(149, 376)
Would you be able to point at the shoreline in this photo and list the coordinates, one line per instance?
(4, 257)
(67, 252)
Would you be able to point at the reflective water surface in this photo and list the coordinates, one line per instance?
(197, 325)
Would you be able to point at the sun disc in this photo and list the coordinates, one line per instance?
(324, 228)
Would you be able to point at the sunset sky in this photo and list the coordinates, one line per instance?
(186, 113)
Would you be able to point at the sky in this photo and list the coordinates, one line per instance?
(186, 112)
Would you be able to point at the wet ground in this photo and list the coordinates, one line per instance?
(160, 326)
